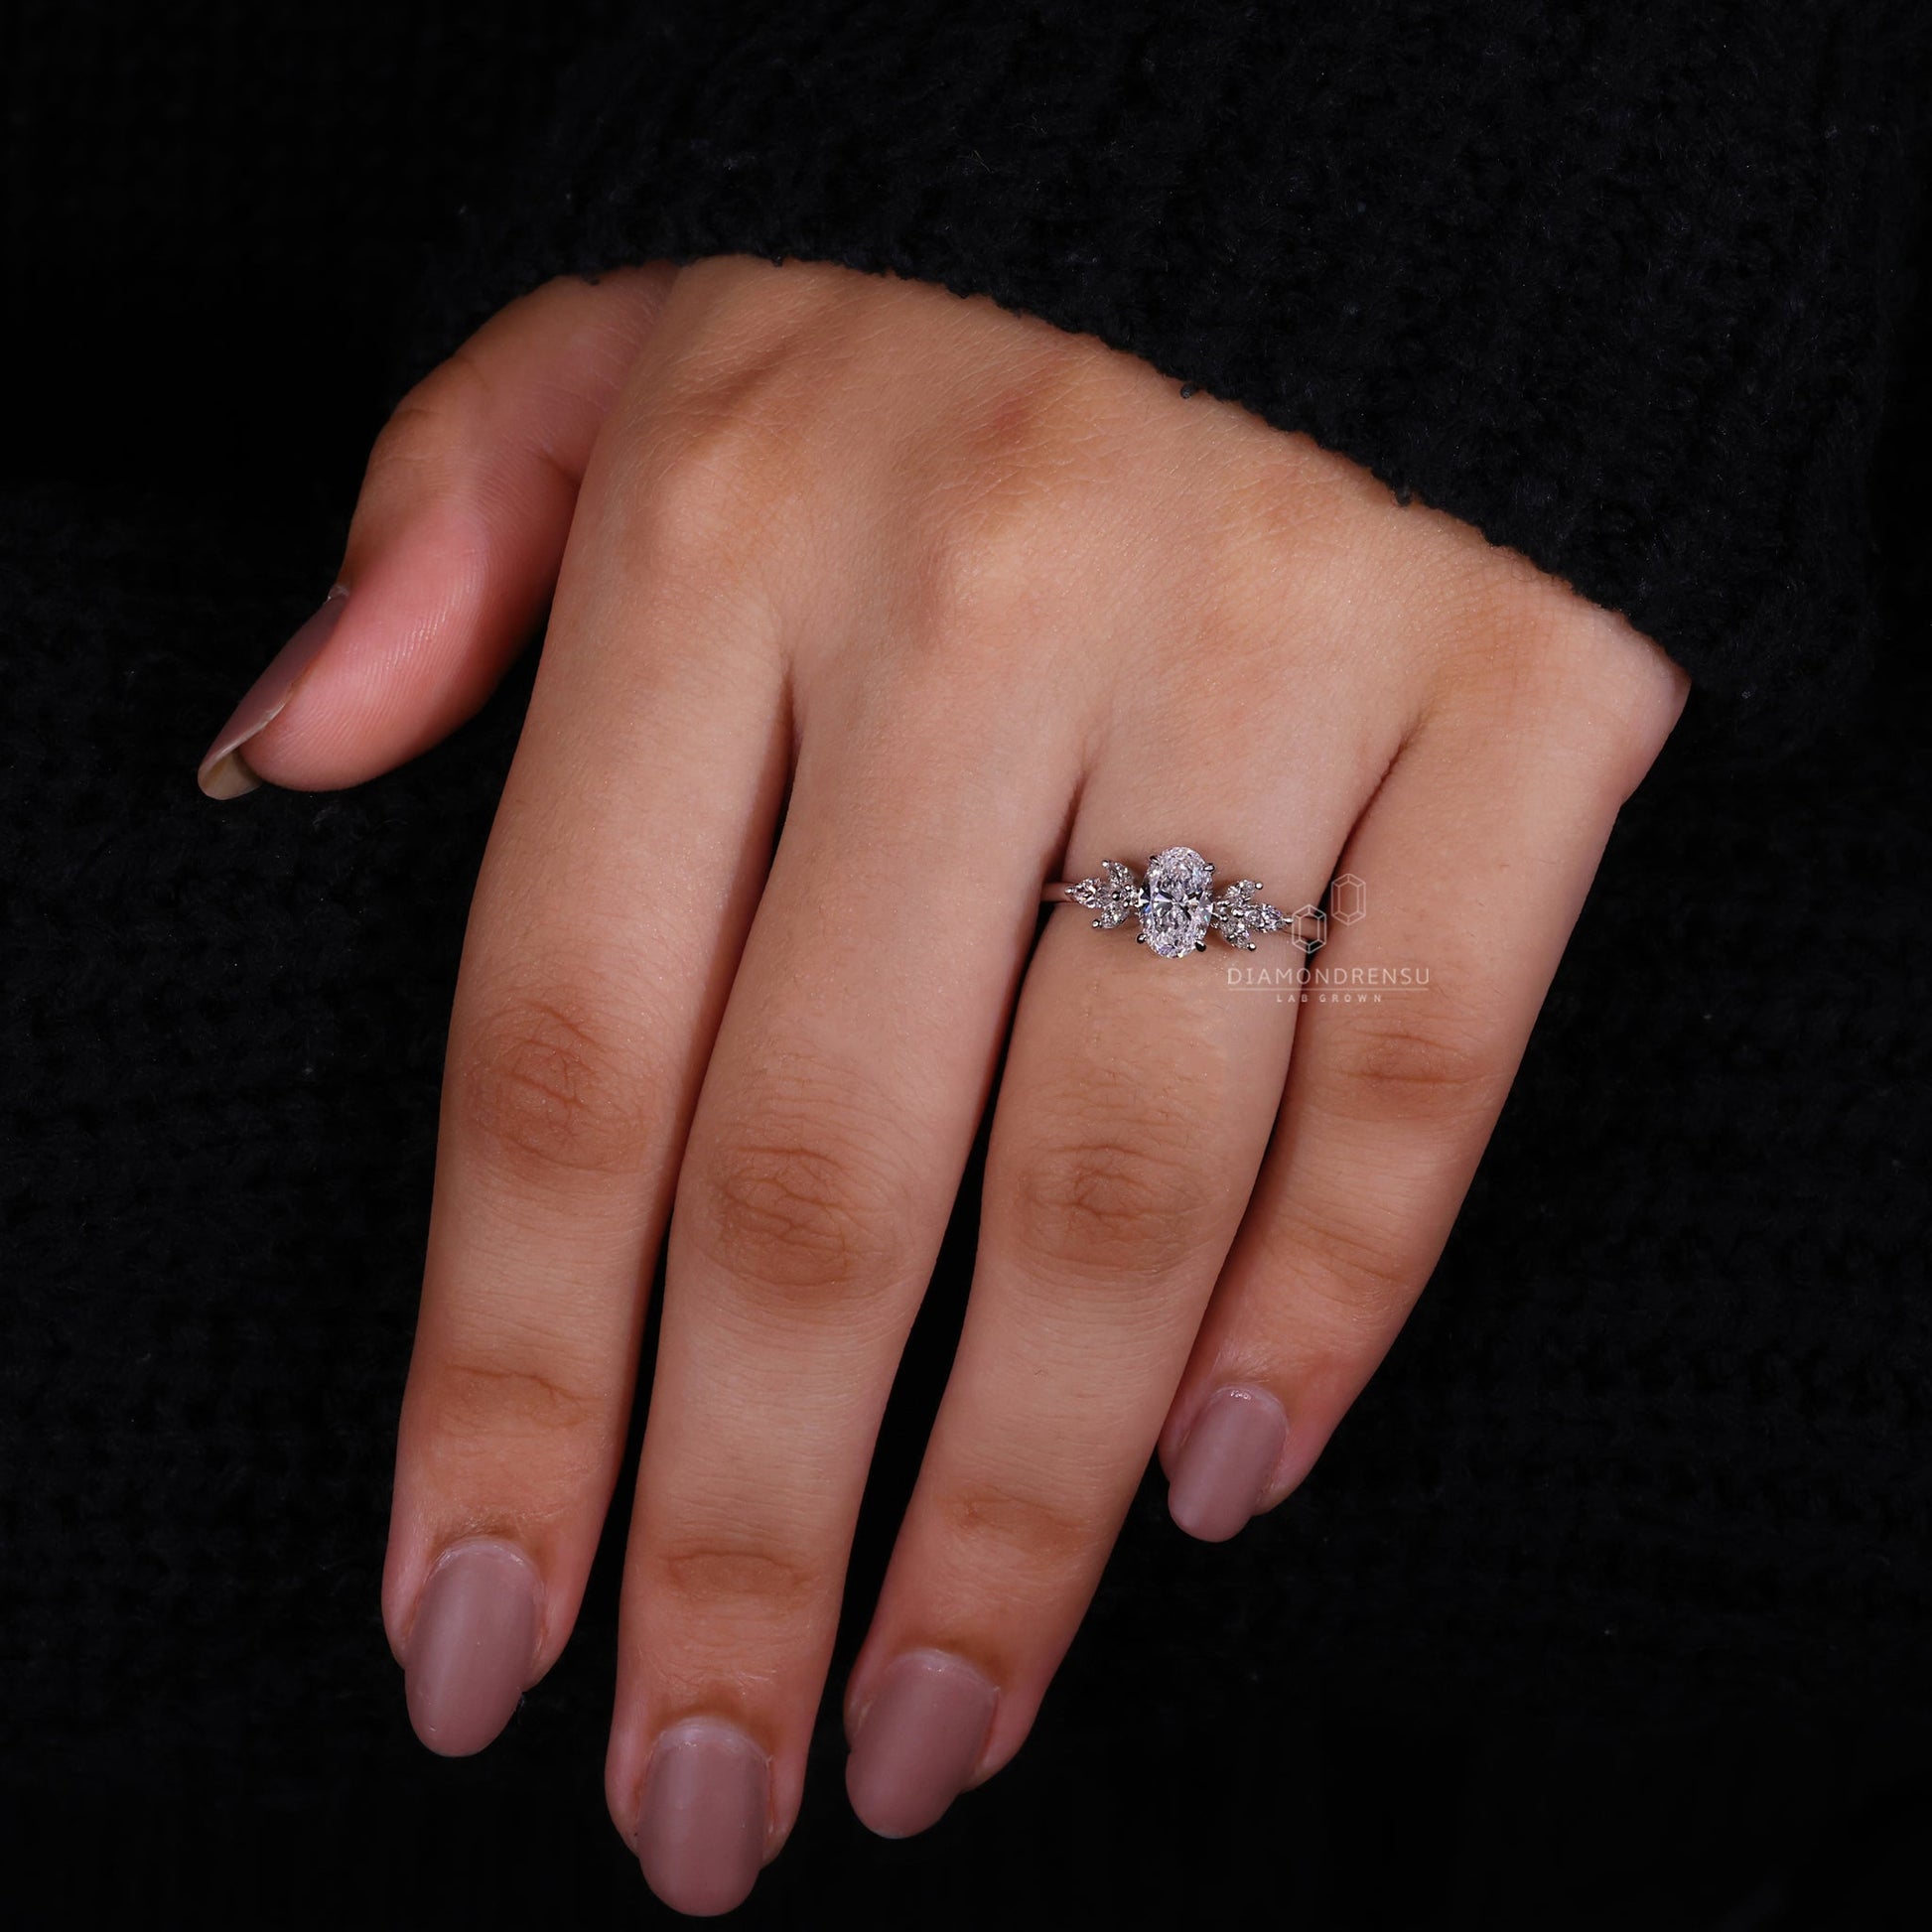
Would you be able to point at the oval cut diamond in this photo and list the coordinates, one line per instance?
(1179, 900)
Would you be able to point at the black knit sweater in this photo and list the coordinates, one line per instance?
(1609, 1605)
(1620, 284)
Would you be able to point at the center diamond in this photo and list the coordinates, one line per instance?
(1179, 902)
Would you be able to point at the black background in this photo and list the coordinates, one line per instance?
(1609, 1606)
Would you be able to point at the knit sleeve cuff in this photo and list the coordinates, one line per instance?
(1617, 284)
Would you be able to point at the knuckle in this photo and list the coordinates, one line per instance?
(433, 420)
(479, 1400)
(700, 511)
(1036, 1531)
(1612, 722)
(986, 559)
(714, 470)
(1396, 1068)
(414, 444)
(723, 1577)
(1025, 472)
(794, 1199)
(1351, 1290)
(1106, 1195)
(1568, 681)
(541, 1085)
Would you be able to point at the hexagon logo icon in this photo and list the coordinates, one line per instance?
(1347, 899)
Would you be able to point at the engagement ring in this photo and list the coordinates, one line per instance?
(1176, 903)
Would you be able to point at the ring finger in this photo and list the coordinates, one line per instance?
(1130, 1124)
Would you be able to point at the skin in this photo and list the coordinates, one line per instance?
(967, 599)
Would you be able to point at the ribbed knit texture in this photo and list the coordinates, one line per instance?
(1617, 283)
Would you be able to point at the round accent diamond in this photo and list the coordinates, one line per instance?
(1179, 902)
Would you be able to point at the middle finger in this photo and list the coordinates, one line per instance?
(835, 1121)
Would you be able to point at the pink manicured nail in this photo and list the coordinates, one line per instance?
(918, 1741)
(225, 773)
(472, 1646)
(701, 1825)
(1226, 1460)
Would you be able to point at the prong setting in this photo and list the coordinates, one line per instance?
(1176, 904)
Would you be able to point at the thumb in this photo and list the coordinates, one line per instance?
(455, 545)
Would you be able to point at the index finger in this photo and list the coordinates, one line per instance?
(617, 884)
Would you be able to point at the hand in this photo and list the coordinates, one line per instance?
(965, 604)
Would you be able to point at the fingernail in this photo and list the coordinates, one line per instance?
(225, 773)
(471, 1646)
(1229, 1455)
(917, 1742)
(701, 1823)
